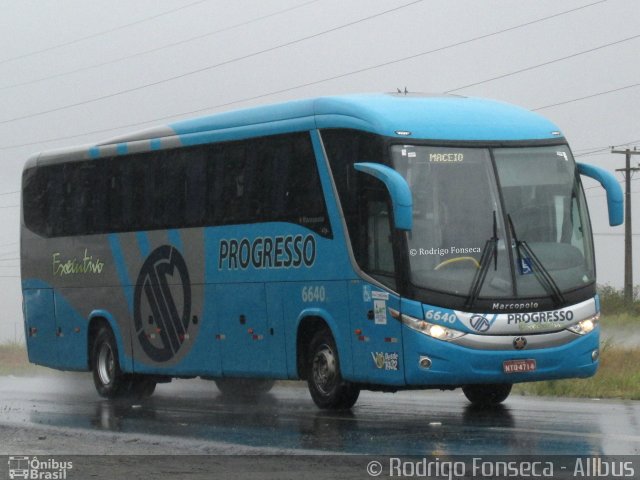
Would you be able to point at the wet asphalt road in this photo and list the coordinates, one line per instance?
(406, 423)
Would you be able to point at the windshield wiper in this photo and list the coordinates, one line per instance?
(539, 270)
(489, 252)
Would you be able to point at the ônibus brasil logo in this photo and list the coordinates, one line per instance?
(162, 304)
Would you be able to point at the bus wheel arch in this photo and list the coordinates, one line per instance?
(307, 328)
(319, 363)
(105, 364)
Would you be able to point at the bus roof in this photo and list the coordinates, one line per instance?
(409, 116)
(432, 117)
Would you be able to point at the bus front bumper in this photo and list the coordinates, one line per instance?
(453, 364)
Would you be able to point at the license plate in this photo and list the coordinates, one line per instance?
(518, 366)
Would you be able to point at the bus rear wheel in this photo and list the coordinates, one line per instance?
(110, 381)
(487, 395)
(327, 387)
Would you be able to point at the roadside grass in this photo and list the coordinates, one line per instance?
(615, 320)
(617, 377)
(14, 361)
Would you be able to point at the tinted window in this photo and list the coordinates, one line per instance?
(364, 199)
(259, 180)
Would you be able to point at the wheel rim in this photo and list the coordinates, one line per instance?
(106, 364)
(325, 370)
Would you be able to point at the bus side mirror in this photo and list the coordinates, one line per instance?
(611, 186)
(398, 190)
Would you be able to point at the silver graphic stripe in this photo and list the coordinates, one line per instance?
(505, 342)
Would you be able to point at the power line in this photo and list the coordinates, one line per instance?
(152, 50)
(101, 33)
(604, 194)
(398, 60)
(607, 148)
(600, 187)
(544, 64)
(296, 87)
(587, 96)
(210, 67)
(595, 153)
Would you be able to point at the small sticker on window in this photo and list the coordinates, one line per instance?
(366, 293)
(380, 295)
(380, 312)
(525, 266)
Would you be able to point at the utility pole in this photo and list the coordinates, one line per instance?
(627, 172)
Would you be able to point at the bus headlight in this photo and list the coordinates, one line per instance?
(585, 326)
(431, 329)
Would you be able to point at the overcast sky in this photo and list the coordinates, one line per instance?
(78, 71)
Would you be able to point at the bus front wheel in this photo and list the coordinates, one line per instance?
(327, 387)
(487, 395)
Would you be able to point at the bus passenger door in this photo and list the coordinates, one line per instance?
(242, 317)
(377, 336)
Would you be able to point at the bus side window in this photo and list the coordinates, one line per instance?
(143, 196)
(215, 184)
(169, 186)
(375, 235)
(364, 201)
(195, 188)
(55, 196)
(233, 186)
(305, 198)
(380, 250)
(115, 197)
(35, 200)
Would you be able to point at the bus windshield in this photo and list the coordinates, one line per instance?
(496, 223)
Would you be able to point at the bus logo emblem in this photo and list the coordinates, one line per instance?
(162, 304)
(480, 323)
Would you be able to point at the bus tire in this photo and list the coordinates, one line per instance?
(244, 387)
(327, 387)
(108, 378)
(141, 386)
(487, 395)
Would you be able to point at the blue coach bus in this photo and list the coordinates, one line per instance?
(377, 241)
